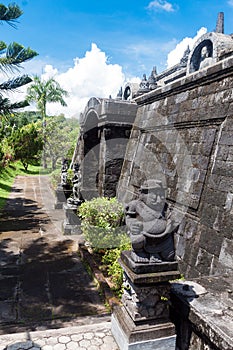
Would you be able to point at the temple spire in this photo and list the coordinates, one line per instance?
(220, 23)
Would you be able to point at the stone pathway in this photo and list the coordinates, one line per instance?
(43, 283)
(91, 337)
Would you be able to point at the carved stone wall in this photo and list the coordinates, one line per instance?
(183, 135)
(104, 133)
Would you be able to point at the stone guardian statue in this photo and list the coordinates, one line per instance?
(150, 226)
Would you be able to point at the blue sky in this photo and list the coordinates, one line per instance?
(134, 35)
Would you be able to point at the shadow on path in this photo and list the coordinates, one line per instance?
(43, 282)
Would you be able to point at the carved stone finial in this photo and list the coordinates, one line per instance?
(120, 93)
(220, 23)
(152, 80)
(184, 59)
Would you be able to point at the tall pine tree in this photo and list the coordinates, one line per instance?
(11, 57)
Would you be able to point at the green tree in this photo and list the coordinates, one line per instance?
(43, 92)
(27, 143)
(60, 138)
(10, 59)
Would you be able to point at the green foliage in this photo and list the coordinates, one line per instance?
(27, 143)
(8, 174)
(10, 59)
(101, 220)
(59, 136)
(10, 13)
(101, 225)
(7, 151)
(110, 259)
(43, 92)
(55, 178)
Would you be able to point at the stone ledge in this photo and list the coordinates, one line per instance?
(149, 278)
(208, 309)
(213, 73)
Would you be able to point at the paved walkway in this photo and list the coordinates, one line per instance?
(47, 299)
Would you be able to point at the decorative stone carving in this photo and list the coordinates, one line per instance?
(205, 57)
(144, 85)
(146, 302)
(64, 170)
(151, 227)
(152, 80)
(120, 94)
(76, 198)
(63, 190)
(184, 59)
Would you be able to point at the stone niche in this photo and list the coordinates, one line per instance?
(105, 129)
(183, 135)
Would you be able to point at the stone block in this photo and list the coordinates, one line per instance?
(141, 337)
(226, 253)
(210, 240)
(204, 261)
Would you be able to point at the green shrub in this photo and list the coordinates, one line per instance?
(55, 177)
(101, 220)
(110, 259)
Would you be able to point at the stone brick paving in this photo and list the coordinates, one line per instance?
(90, 337)
(43, 283)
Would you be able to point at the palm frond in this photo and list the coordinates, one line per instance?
(15, 82)
(10, 13)
(17, 53)
(3, 47)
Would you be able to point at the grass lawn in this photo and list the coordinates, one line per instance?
(8, 174)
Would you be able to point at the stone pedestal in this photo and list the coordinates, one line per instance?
(72, 223)
(62, 193)
(142, 322)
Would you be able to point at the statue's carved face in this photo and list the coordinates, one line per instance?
(204, 52)
(154, 198)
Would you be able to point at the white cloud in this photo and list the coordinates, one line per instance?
(176, 54)
(230, 2)
(161, 5)
(90, 76)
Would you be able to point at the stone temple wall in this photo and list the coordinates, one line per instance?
(183, 135)
(105, 127)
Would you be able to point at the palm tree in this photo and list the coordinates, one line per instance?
(10, 59)
(43, 92)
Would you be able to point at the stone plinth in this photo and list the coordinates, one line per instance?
(72, 223)
(62, 193)
(143, 322)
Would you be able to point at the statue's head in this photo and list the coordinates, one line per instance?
(205, 52)
(153, 193)
(76, 167)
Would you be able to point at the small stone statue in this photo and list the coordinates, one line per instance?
(144, 85)
(150, 228)
(152, 81)
(76, 198)
(64, 170)
(205, 58)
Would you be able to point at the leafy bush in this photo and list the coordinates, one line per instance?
(55, 177)
(101, 225)
(101, 220)
(110, 259)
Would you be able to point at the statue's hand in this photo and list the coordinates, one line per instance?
(136, 228)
